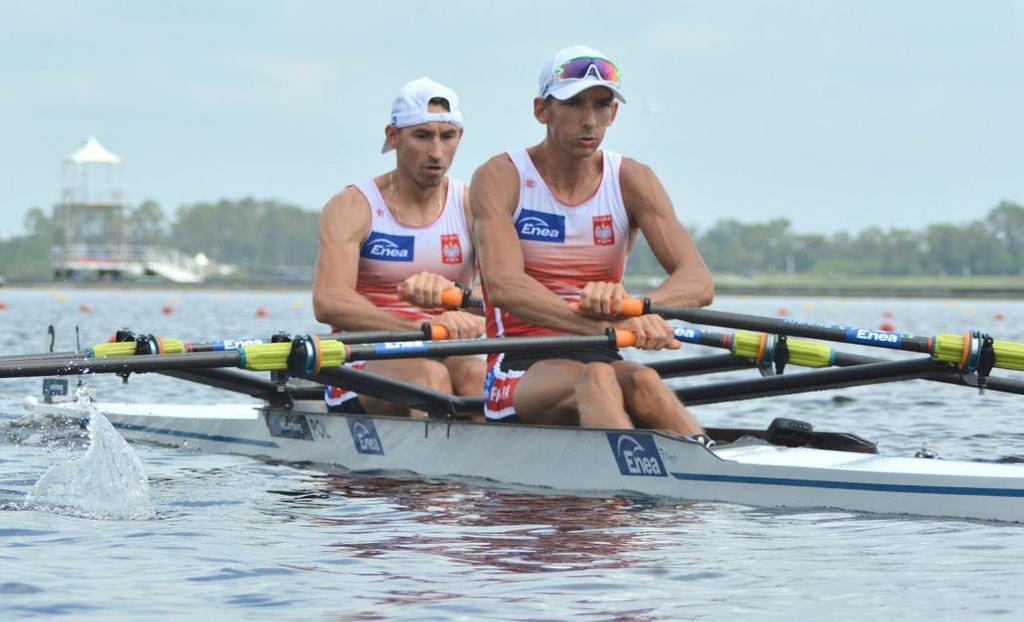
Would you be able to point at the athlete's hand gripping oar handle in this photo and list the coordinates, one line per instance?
(460, 298)
(435, 332)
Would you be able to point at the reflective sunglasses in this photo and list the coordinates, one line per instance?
(579, 68)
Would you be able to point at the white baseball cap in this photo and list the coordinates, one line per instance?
(576, 69)
(411, 106)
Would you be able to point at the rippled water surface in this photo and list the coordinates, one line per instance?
(237, 538)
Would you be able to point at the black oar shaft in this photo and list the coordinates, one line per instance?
(199, 360)
(796, 328)
(696, 365)
(834, 378)
(510, 345)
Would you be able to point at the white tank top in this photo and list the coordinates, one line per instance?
(393, 252)
(565, 246)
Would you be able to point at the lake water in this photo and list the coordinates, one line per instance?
(234, 538)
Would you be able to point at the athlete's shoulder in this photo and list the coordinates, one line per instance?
(498, 162)
(347, 213)
(349, 198)
(635, 169)
(497, 169)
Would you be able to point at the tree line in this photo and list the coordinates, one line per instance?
(993, 245)
(263, 237)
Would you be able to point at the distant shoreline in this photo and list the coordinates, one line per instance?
(992, 287)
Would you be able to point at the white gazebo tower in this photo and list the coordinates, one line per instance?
(92, 233)
(91, 236)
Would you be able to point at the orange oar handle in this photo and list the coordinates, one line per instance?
(633, 307)
(625, 338)
(438, 332)
(453, 297)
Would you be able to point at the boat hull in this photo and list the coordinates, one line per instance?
(590, 461)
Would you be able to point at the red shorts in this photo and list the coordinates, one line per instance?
(504, 373)
(343, 400)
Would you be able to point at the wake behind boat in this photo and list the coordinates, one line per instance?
(787, 465)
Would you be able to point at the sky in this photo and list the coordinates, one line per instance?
(835, 115)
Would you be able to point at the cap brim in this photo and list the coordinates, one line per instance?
(570, 89)
(386, 148)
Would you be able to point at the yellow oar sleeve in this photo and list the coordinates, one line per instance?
(802, 352)
(267, 356)
(749, 345)
(951, 349)
(809, 353)
(274, 356)
(108, 350)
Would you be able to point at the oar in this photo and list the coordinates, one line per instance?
(126, 344)
(818, 380)
(968, 350)
(762, 349)
(307, 355)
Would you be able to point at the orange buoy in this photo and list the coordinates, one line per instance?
(998, 316)
(85, 308)
(3, 306)
(262, 312)
(887, 326)
(167, 309)
(783, 312)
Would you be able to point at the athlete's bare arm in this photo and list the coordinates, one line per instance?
(344, 225)
(689, 282)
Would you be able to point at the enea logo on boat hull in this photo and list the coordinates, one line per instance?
(540, 226)
(637, 454)
(364, 435)
(386, 247)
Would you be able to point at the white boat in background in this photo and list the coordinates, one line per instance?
(741, 469)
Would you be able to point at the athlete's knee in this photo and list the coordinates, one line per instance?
(467, 377)
(643, 381)
(434, 375)
(595, 376)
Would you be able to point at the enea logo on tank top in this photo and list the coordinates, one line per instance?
(386, 247)
(540, 226)
(451, 248)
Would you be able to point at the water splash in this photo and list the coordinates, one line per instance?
(108, 482)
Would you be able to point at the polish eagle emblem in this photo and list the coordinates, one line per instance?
(604, 234)
(451, 249)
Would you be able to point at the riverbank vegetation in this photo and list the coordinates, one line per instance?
(275, 241)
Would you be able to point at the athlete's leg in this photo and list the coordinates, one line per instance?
(467, 374)
(564, 392)
(424, 372)
(649, 401)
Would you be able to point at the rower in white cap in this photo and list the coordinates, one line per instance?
(391, 244)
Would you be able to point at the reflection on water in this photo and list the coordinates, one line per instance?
(505, 530)
(244, 539)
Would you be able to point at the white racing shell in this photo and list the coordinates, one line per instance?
(589, 461)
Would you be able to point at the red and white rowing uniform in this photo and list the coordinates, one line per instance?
(564, 247)
(393, 251)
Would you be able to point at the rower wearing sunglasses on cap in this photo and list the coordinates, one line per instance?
(391, 244)
(553, 227)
